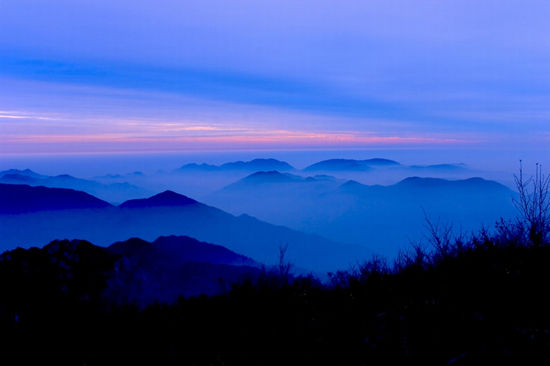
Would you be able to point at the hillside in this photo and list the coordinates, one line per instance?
(129, 272)
(481, 301)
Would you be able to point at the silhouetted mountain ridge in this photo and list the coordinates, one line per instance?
(280, 179)
(377, 216)
(272, 176)
(169, 213)
(179, 250)
(112, 192)
(350, 164)
(165, 199)
(173, 266)
(129, 247)
(20, 198)
(25, 172)
(469, 183)
(440, 167)
(252, 165)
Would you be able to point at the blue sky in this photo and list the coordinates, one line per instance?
(83, 76)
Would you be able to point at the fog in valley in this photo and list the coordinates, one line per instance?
(374, 202)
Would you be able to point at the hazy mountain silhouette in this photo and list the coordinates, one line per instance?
(350, 164)
(111, 176)
(273, 176)
(381, 217)
(171, 214)
(23, 173)
(470, 183)
(202, 180)
(409, 185)
(18, 199)
(114, 192)
(258, 164)
(439, 167)
(18, 179)
(385, 171)
(252, 165)
(164, 199)
(199, 167)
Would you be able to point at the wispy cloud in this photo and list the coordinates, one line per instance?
(22, 115)
(214, 138)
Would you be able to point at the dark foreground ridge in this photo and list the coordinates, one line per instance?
(483, 300)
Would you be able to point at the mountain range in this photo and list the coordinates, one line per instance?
(375, 216)
(167, 213)
(267, 202)
(204, 179)
(329, 165)
(251, 166)
(20, 199)
(350, 165)
(112, 192)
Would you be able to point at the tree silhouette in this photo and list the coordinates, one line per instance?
(533, 203)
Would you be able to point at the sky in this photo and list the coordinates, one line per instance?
(161, 76)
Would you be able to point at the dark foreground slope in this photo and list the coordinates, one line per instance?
(173, 266)
(478, 302)
(129, 272)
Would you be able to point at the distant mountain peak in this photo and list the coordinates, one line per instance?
(441, 167)
(350, 164)
(252, 165)
(421, 180)
(25, 172)
(258, 164)
(380, 161)
(351, 183)
(17, 178)
(165, 199)
(428, 182)
(273, 176)
(199, 167)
